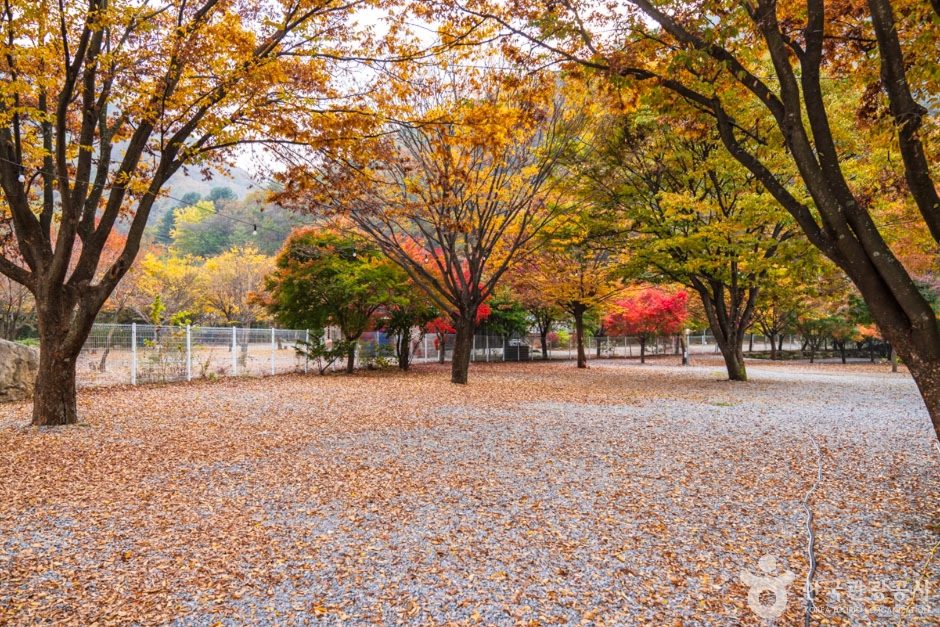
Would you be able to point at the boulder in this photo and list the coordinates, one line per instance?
(18, 367)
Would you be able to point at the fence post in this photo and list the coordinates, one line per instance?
(306, 349)
(133, 353)
(473, 353)
(234, 351)
(273, 349)
(325, 338)
(504, 348)
(487, 347)
(425, 348)
(189, 353)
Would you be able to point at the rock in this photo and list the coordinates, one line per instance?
(18, 367)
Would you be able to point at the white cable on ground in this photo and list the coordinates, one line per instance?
(810, 548)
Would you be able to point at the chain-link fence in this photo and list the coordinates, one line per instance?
(137, 353)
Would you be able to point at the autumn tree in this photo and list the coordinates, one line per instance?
(208, 228)
(323, 278)
(793, 287)
(164, 227)
(17, 308)
(693, 216)
(469, 178)
(651, 314)
(544, 312)
(796, 73)
(179, 282)
(577, 270)
(103, 102)
(229, 279)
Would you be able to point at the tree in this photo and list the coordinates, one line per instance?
(441, 328)
(221, 195)
(409, 309)
(507, 315)
(793, 71)
(196, 234)
(577, 270)
(164, 228)
(692, 216)
(178, 281)
(470, 181)
(229, 280)
(324, 278)
(787, 294)
(778, 308)
(651, 314)
(102, 102)
(209, 228)
(17, 308)
(542, 309)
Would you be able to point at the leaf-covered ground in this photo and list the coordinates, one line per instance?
(538, 494)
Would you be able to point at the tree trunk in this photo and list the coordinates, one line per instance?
(463, 345)
(927, 376)
(642, 350)
(750, 342)
(773, 347)
(685, 350)
(351, 360)
(404, 350)
(578, 312)
(103, 364)
(842, 351)
(729, 322)
(544, 336)
(780, 343)
(442, 348)
(894, 359)
(734, 363)
(598, 342)
(54, 396)
(871, 350)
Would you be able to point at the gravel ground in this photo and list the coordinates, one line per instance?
(538, 494)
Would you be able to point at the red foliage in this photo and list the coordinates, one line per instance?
(650, 314)
(483, 312)
(442, 325)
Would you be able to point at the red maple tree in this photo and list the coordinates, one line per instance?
(652, 313)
